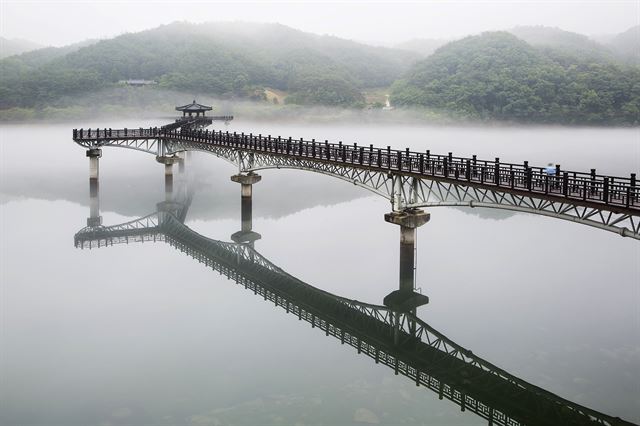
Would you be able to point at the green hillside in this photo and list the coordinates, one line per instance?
(498, 76)
(225, 59)
(544, 75)
(564, 47)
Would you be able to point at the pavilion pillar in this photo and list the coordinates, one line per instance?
(405, 299)
(246, 234)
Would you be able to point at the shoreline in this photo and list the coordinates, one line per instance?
(294, 114)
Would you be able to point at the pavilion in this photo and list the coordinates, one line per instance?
(192, 108)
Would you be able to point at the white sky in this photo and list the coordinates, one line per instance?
(58, 23)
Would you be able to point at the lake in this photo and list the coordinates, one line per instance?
(141, 334)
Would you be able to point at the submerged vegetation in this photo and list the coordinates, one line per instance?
(533, 74)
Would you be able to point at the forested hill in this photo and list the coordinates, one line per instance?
(564, 46)
(530, 74)
(217, 59)
(498, 76)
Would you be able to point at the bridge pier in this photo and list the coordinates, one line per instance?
(94, 155)
(405, 299)
(246, 234)
(94, 218)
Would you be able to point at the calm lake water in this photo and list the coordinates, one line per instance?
(141, 334)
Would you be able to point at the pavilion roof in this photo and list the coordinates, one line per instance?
(193, 107)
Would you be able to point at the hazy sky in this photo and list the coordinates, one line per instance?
(58, 23)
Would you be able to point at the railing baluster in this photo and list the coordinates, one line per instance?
(632, 198)
(388, 157)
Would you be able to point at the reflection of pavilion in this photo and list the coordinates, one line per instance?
(390, 336)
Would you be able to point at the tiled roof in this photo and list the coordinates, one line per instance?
(193, 107)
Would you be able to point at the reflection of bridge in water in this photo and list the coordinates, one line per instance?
(391, 336)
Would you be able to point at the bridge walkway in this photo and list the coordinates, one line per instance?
(610, 193)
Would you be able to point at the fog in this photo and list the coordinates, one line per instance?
(59, 23)
(140, 334)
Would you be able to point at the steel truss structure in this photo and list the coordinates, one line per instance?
(408, 179)
(399, 340)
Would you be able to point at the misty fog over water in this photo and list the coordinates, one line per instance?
(141, 334)
(155, 295)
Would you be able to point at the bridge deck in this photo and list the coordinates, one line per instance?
(195, 121)
(613, 193)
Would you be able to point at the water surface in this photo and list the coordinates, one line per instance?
(141, 334)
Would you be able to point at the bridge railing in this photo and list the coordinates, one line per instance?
(108, 133)
(610, 190)
(195, 121)
(592, 187)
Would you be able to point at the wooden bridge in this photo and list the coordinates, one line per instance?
(391, 334)
(409, 179)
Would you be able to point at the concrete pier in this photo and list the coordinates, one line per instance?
(246, 235)
(405, 298)
(94, 155)
(94, 218)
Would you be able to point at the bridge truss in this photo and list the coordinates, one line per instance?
(408, 179)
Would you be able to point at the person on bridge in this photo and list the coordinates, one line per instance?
(550, 169)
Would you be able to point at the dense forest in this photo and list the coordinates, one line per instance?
(499, 76)
(529, 74)
(217, 59)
